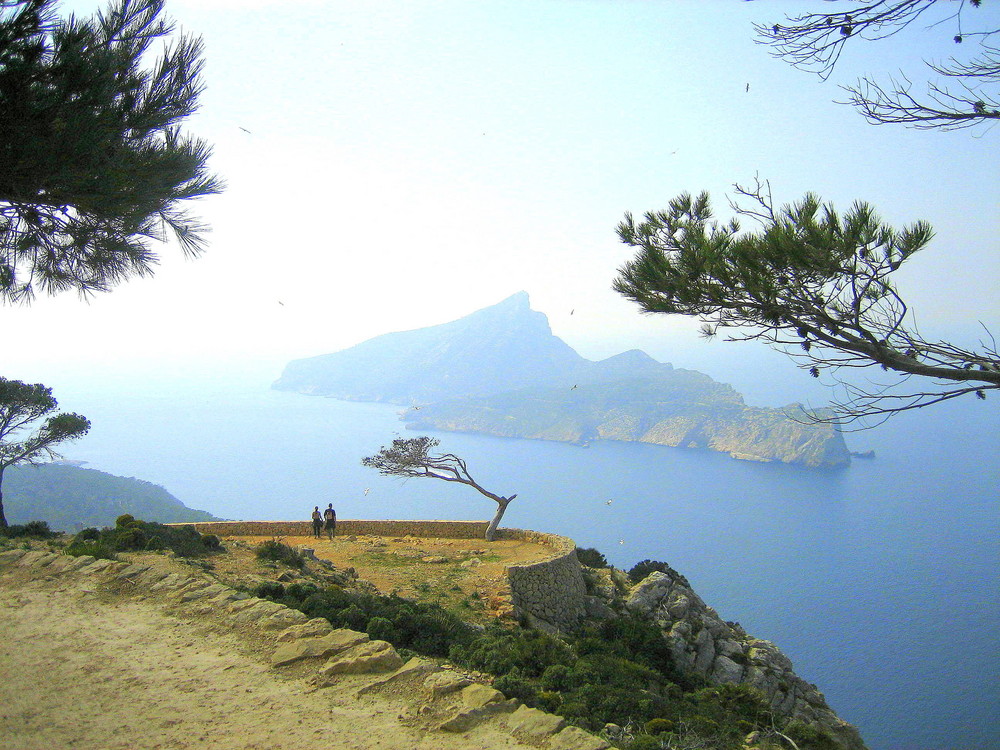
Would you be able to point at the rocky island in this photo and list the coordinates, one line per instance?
(500, 371)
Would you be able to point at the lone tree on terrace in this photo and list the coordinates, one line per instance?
(810, 278)
(95, 166)
(22, 404)
(412, 457)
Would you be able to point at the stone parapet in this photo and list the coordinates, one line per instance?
(551, 592)
(347, 527)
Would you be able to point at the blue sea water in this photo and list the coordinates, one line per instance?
(879, 581)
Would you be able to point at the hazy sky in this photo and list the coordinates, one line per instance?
(410, 162)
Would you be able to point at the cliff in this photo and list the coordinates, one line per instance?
(500, 371)
(719, 652)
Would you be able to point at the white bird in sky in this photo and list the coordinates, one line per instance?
(367, 490)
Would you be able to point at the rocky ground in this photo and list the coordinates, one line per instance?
(153, 655)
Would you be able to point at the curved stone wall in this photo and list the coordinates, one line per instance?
(428, 529)
(551, 593)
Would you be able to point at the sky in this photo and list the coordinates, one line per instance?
(393, 165)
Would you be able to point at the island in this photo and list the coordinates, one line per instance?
(500, 371)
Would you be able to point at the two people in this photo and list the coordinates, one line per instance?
(327, 519)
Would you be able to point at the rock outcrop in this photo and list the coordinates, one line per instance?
(722, 652)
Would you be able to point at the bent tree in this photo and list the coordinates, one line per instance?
(22, 404)
(811, 281)
(412, 457)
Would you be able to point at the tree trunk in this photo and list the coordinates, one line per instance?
(3, 518)
(491, 530)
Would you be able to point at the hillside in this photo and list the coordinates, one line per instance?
(500, 371)
(70, 498)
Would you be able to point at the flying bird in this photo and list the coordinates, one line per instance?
(748, 87)
(621, 541)
(574, 387)
(244, 130)
(367, 490)
(608, 502)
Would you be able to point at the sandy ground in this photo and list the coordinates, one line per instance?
(85, 667)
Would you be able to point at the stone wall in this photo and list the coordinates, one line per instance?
(551, 592)
(426, 529)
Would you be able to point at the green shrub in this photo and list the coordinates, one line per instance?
(211, 542)
(31, 530)
(129, 538)
(270, 590)
(810, 736)
(645, 742)
(301, 591)
(281, 553)
(501, 649)
(658, 726)
(93, 547)
(642, 569)
(515, 685)
(382, 629)
(131, 534)
(591, 557)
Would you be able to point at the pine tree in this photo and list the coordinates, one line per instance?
(94, 165)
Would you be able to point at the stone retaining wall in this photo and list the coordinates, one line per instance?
(550, 592)
(426, 529)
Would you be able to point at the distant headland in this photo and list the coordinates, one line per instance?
(500, 371)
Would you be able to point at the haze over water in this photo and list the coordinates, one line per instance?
(878, 581)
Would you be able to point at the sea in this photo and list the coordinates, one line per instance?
(880, 581)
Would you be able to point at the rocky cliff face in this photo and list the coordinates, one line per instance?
(722, 652)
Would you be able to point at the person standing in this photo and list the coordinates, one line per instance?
(330, 516)
(317, 521)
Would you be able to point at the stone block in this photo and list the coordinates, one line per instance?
(475, 695)
(370, 656)
(314, 628)
(534, 725)
(574, 738)
(317, 648)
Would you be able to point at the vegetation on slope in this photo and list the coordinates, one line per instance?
(617, 671)
(69, 498)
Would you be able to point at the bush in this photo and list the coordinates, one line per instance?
(658, 726)
(645, 742)
(591, 557)
(382, 629)
(93, 547)
(515, 685)
(131, 534)
(281, 553)
(810, 736)
(642, 569)
(270, 590)
(32, 529)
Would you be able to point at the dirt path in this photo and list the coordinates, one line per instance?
(84, 667)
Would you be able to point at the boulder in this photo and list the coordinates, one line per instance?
(369, 656)
(317, 648)
(534, 725)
